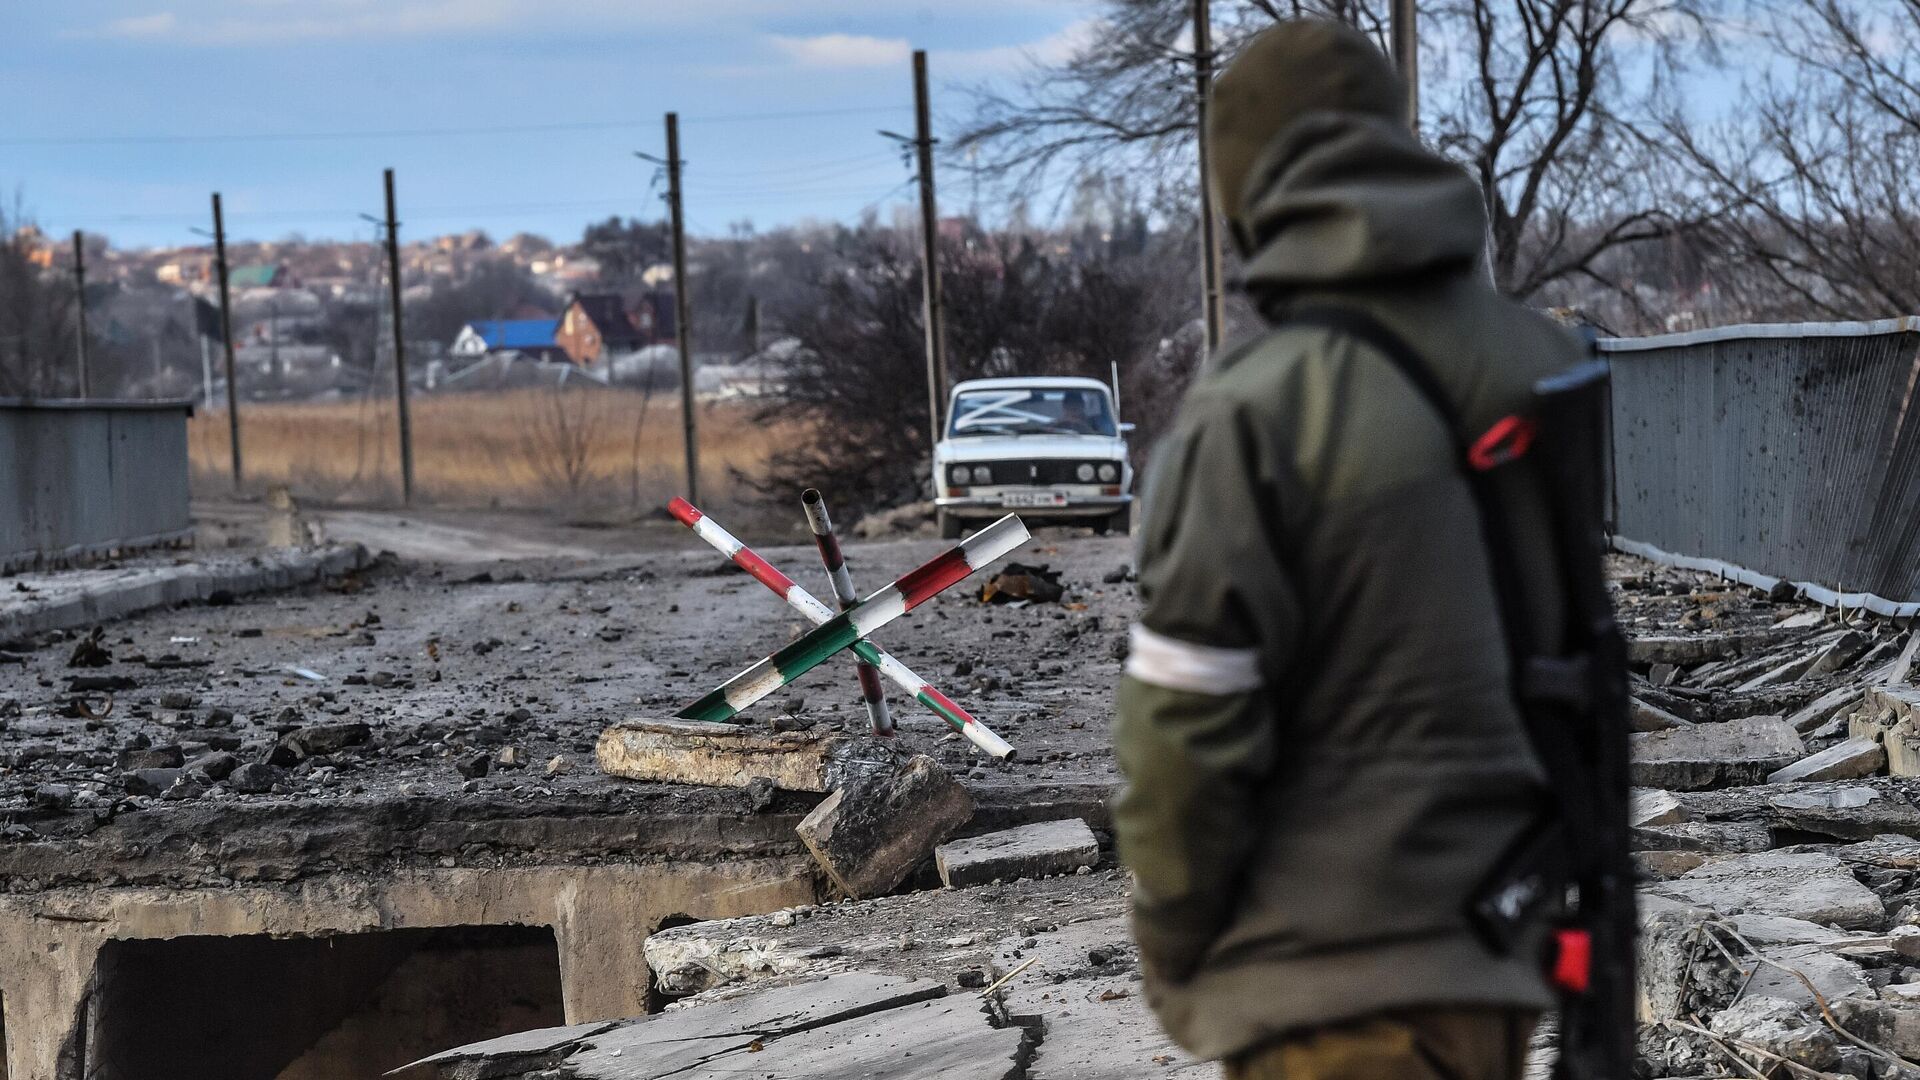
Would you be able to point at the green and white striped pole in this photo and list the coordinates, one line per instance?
(819, 614)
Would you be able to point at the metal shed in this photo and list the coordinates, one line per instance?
(81, 479)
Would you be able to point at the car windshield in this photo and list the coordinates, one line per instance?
(1032, 410)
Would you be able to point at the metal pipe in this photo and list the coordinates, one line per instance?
(871, 692)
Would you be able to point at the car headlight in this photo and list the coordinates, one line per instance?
(1109, 473)
(982, 474)
(957, 474)
(1084, 472)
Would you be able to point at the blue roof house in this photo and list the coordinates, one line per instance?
(530, 337)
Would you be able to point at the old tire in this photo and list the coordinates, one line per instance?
(949, 525)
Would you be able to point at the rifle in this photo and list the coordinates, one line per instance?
(1578, 701)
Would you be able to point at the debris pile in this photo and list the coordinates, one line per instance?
(1776, 829)
(1020, 583)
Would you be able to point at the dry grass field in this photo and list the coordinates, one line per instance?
(575, 450)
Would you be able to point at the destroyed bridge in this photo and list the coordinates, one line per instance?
(318, 812)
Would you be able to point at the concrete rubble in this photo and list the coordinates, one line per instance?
(731, 755)
(361, 808)
(1037, 850)
(876, 828)
(380, 767)
(1777, 835)
(843, 1025)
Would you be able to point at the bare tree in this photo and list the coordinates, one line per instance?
(1541, 100)
(37, 315)
(562, 433)
(1820, 169)
(1012, 309)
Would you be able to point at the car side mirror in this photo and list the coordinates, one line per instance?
(1126, 427)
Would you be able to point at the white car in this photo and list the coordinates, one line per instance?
(1050, 449)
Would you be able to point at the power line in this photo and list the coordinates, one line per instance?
(611, 203)
(423, 133)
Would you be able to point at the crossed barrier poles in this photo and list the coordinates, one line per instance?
(852, 627)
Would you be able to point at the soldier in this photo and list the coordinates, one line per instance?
(1323, 755)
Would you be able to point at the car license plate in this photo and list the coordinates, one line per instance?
(1033, 498)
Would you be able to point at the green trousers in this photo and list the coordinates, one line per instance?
(1416, 1044)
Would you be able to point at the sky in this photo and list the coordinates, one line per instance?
(505, 115)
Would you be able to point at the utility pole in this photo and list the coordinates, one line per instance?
(689, 437)
(226, 337)
(80, 306)
(1406, 57)
(930, 251)
(399, 350)
(1210, 272)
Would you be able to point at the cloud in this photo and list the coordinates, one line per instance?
(1054, 49)
(843, 50)
(257, 22)
(158, 24)
(272, 22)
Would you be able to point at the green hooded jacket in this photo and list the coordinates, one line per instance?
(1321, 752)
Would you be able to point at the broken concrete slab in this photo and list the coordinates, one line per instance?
(1703, 836)
(854, 1024)
(1081, 984)
(949, 1039)
(1812, 886)
(1645, 716)
(520, 1051)
(65, 600)
(731, 755)
(1889, 851)
(1780, 1027)
(1830, 653)
(1765, 931)
(1848, 760)
(1705, 756)
(1686, 650)
(1900, 668)
(1037, 850)
(1833, 977)
(1857, 810)
(1839, 700)
(1891, 715)
(872, 831)
(1888, 1023)
(1651, 806)
(1679, 973)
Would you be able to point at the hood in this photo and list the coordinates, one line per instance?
(1030, 447)
(1340, 198)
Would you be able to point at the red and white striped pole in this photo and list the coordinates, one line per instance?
(871, 692)
(816, 612)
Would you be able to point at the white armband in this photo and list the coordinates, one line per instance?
(1199, 669)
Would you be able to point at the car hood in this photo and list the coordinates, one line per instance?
(1007, 447)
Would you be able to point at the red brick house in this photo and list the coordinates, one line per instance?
(595, 326)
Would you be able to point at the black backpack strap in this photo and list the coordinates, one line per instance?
(1493, 527)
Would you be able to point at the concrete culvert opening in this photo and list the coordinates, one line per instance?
(323, 1008)
(656, 999)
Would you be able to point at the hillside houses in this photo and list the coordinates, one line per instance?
(529, 337)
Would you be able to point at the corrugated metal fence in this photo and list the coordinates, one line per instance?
(85, 478)
(1775, 452)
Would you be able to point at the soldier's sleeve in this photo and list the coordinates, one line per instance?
(1195, 733)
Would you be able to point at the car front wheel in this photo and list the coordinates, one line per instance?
(949, 525)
